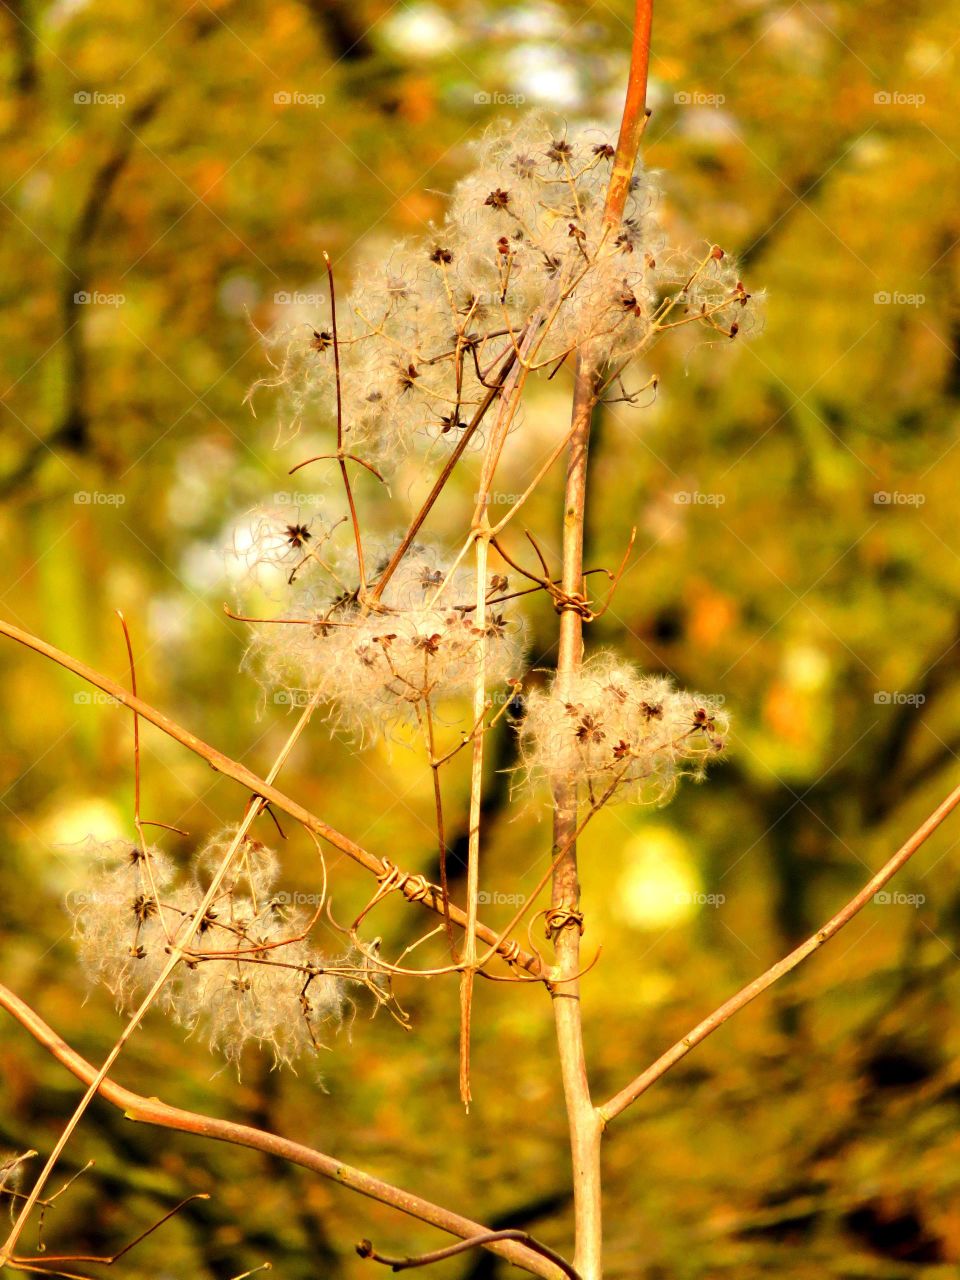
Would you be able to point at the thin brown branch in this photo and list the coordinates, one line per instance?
(620, 1101)
(351, 457)
(366, 1250)
(354, 518)
(432, 898)
(435, 765)
(154, 1112)
(440, 483)
(635, 113)
(47, 1260)
(136, 724)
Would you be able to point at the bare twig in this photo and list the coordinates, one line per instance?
(366, 1250)
(152, 1111)
(620, 1101)
(351, 457)
(431, 897)
(48, 1262)
(354, 519)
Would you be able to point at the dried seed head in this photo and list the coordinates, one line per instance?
(524, 234)
(498, 199)
(623, 735)
(250, 974)
(376, 667)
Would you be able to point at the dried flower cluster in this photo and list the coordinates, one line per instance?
(276, 544)
(523, 245)
(624, 735)
(386, 662)
(525, 267)
(250, 975)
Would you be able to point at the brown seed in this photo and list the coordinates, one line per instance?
(298, 534)
(498, 199)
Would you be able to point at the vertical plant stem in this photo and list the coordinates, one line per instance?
(513, 386)
(354, 519)
(473, 838)
(441, 827)
(585, 1123)
(585, 1126)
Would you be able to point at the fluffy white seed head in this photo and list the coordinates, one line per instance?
(274, 544)
(250, 974)
(378, 666)
(117, 926)
(623, 735)
(12, 1170)
(524, 236)
(252, 873)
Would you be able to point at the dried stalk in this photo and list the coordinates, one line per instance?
(586, 1126)
(366, 1250)
(469, 957)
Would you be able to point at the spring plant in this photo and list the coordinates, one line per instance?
(551, 257)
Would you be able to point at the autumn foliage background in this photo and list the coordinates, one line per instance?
(797, 554)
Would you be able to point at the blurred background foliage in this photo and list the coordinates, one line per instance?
(186, 164)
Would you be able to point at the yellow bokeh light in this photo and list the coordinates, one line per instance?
(659, 885)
